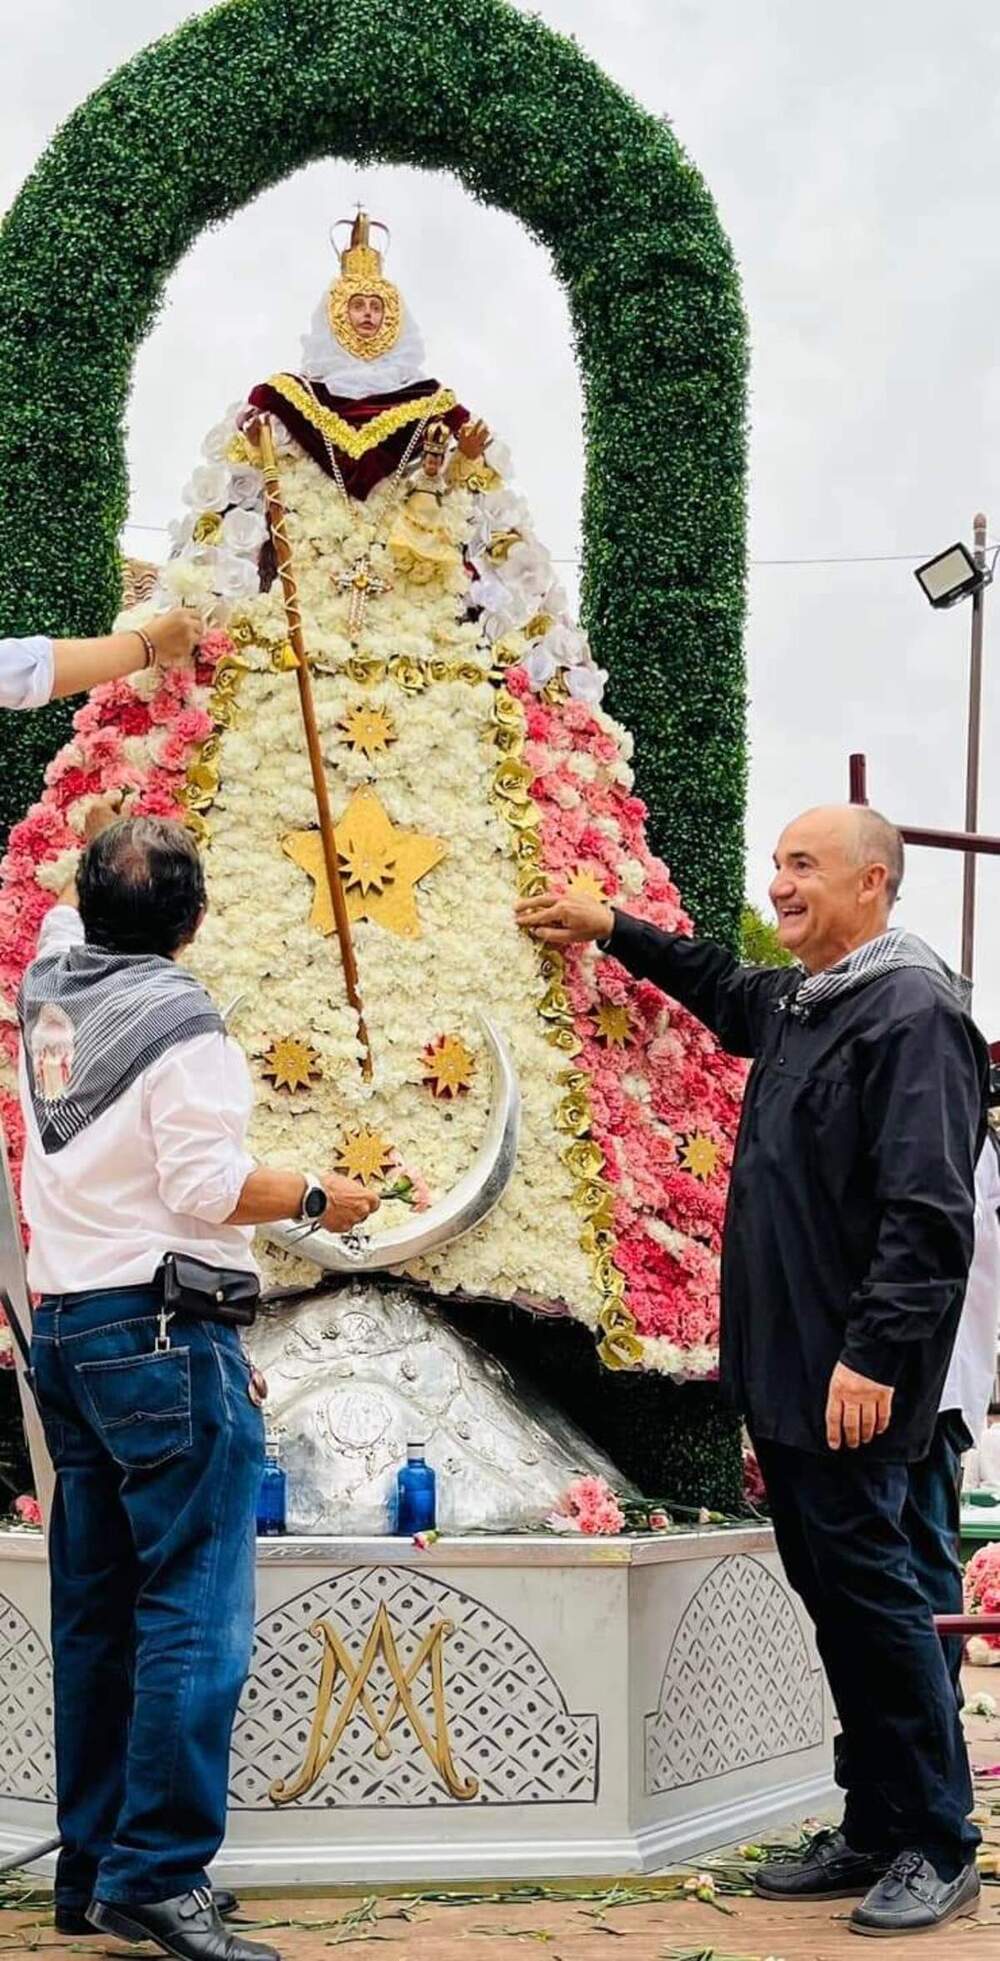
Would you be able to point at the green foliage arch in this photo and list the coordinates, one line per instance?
(200, 123)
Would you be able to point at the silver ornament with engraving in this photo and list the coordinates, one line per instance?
(355, 1373)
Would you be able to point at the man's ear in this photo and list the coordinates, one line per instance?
(874, 886)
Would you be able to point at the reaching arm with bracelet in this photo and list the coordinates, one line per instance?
(166, 641)
(38, 670)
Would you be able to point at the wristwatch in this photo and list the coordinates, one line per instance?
(314, 1199)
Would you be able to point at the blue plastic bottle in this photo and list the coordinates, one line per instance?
(416, 1494)
(271, 1498)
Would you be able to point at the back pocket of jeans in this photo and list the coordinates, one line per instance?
(141, 1406)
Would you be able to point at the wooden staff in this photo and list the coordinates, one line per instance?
(259, 433)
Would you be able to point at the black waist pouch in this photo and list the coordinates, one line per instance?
(207, 1293)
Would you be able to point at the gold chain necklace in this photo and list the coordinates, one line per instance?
(362, 581)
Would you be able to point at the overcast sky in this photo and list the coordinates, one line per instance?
(854, 155)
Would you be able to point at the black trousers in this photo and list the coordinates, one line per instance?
(839, 1520)
(932, 1522)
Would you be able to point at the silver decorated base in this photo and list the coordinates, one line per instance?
(356, 1372)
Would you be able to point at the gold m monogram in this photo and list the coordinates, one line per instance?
(337, 1661)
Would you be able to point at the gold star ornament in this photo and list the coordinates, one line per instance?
(368, 730)
(291, 1064)
(585, 885)
(448, 1066)
(364, 1155)
(700, 1156)
(612, 1024)
(380, 867)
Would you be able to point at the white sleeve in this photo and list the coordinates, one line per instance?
(26, 672)
(62, 927)
(199, 1097)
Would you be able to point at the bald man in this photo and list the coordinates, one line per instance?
(849, 1233)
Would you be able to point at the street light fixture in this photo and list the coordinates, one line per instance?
(951, 576)
(960, 574)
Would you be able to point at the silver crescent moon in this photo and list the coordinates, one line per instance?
(469, 1201)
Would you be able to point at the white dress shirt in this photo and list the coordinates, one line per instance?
(158, 1172)
(969, 1382)
(26, 672)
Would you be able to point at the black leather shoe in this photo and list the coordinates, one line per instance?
(911, 1899)
(188, 1928)
(828, 1869)
(73, 1920)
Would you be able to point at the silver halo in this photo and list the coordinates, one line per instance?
(471, 1200)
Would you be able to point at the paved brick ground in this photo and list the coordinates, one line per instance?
(567, 1928)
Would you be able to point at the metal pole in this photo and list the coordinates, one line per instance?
(972, 754)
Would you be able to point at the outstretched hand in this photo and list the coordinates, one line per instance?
(473, 439)
(561, 922)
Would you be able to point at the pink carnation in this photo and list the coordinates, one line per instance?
(28, 1510)
(981, 1584)
(589, 1506)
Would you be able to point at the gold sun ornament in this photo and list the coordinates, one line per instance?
(448, 1066)
(699, 1155)
(291, 1064)
(379, 864)
(611, 1024)
(368, 730)
(365, 1155)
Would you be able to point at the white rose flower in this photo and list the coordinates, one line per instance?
(539, 668)
(499, 458)
(243, 531)
(567, 645)
(208, 489)
(527, 569)
(586, 683)
(180, 532)
(235, 578)
(246, 487)
(218, 439)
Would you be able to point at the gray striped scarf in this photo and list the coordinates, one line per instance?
(92, 1021)
(886, 955)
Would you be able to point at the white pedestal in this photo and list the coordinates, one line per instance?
(490, 1708)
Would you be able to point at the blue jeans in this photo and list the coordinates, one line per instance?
(841, 1527)
(151, 1552)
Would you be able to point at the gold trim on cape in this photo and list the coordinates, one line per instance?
(343, 435)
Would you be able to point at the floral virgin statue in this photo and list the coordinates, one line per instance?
(392, 1013)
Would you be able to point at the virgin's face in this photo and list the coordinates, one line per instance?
(366, 313)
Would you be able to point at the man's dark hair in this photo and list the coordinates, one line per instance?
(141, 887)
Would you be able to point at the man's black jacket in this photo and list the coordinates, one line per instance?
(850, 1219)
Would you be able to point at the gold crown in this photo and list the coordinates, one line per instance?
(437, 436)
(361, 274)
